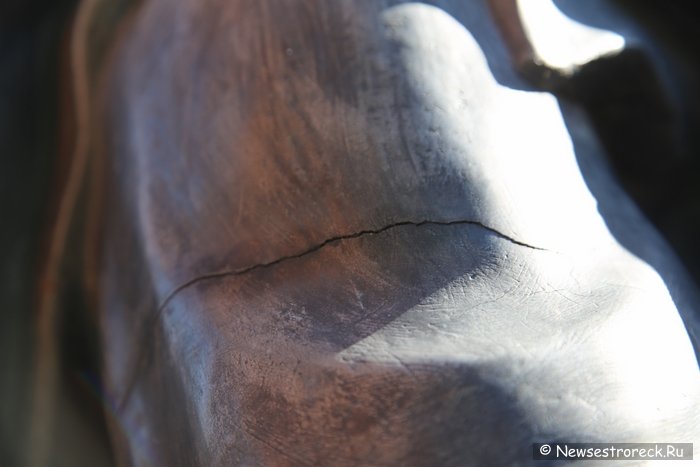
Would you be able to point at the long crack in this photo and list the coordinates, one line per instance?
(339, 238)
(141, 361)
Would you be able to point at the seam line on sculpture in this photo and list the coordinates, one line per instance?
(339, 238)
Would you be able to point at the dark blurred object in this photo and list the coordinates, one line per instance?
(667, 184)
(645, 107)
(31, 37)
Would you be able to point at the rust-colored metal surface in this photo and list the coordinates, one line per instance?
(353, 233)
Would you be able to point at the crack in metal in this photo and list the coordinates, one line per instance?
(141, 361)
(339, 238)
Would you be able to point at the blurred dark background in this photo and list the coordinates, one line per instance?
(31, 33)
(645, 107)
